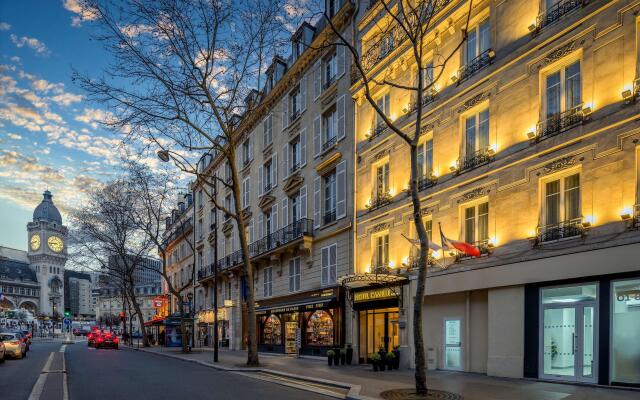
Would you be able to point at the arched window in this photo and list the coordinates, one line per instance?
(320, 329)
(272, 330)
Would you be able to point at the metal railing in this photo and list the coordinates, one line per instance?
(561, 230)
(329, 216)
(291, 232)
(294, 167)
(467, 71)
(379, 200)
(476, 159)
(426, 181)
(429, 96)
(267, 188)
(636, 216)
(327, 84)
(556, 12)
(560, 122)
(377, 130)
(482, 245)
(329, 143)
(294, 115)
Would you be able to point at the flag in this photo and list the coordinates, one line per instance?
(463, 247)
(416, 242)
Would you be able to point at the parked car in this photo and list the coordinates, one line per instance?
(28, 335)
(13, 345)
(2, 351)
(106, 339)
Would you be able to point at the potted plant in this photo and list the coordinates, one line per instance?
(330, 355)
(349, 354)
(375, 358)
(396, 361)
(343, 356)
(390, 361)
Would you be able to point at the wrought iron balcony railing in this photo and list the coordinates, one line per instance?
(428, 97)
(636, 216)
(329, 216)
(376, 131)
(484, 59)
(379, 200)
(483, 245)
(562, 230)
(556, 12)
(560, 122)
(294, 115)
(267, 188)
(426, 181)
(294, 167)
(476, 159)
(281, 237)
(327, 84)
(329, 143)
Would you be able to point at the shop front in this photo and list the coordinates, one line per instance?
(310, 322)
(206, 327)
(585, 331)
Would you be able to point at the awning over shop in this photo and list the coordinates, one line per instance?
(358, 281)
(307, 301)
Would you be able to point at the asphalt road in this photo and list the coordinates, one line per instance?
(126, 374)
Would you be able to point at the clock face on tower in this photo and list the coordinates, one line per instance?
(55, 243)
(35, 242)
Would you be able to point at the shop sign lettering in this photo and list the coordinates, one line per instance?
(376, 294)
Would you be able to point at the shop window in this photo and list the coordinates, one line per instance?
(625, 351)
(320, 329)
(272, 330)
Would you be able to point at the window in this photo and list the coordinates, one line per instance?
(295, 101)
(330, 197)
(228, 175)
(330, 69)
(382, 180)
(383, 104)
(329, 266)
(246, 192)
(200, 201)
(425, 158)
(478, 41)
(294, 274)
(562, 200)
(247, 151)
(267, 131)
(381, 250)
(476, 223)
(332, 7)
(476, 133)
(267, 288)
(272, 330)
(228, 205)
(294, 205)
(295, 154)
(428, 75)
(298, 47)
(200, 229)
(563, 90)
(268, 223)
(267, 174)
(330, 128)
(320, 329)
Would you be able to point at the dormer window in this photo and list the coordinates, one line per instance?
(298, 47)
(332, 7)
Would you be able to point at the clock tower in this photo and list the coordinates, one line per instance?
(47, 253)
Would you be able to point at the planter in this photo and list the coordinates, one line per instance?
(336, 358)
(343, 358)
(330, 361)
(396, 361)
(381, 365)
(375, 366)
(349, 354)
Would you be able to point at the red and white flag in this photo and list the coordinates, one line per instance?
(462, 247)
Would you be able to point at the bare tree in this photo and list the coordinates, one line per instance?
(181, 73)
(154, 193)
(105, 235)
(408, 25)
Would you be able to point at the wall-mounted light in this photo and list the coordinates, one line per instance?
(392, 192)
(492, 149)
(493, 241)
(454, 78)
(392, 264)
(453, 168)
(588, 221)
(587, 111)
(491, 53)
(627, 95)
(531, 134)
(532, 27)
(626, 213)
(436, 254)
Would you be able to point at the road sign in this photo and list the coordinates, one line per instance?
(67, 321)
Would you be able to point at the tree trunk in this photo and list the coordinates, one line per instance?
(183, 330)
(143, 329)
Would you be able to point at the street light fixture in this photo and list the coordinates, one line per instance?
(163, 155)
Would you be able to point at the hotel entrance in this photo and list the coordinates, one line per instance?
(378, 330)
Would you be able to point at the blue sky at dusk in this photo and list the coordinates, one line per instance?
(49, 137)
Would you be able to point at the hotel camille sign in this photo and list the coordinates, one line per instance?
(374, 294)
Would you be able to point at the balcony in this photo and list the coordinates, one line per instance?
(426, 181)
(556, 13)
(282, 237)
(378, 201)
(295, 167)
(329, 143)
(266, 188)
(561, 122)
(327, 84)
(329, 217)
(563, 230)
(376, 131)
(475, 65)
(428, 97)
(294, 115)
(483, 245)
(476, 159)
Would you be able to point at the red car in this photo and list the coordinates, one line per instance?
(106, 339)
(91, 337)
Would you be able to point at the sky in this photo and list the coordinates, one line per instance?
(49, 137)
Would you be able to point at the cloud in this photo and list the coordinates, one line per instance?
(66, 99)
(4, 26)
(14, 136)
(93, 117)
(32, 43)
(42, 85)
(81, 9)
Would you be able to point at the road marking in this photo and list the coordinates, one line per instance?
(63, 348)
(65, 380)
(36, 392)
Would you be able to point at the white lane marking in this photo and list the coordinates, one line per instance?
(36, 392)
(63, 348)
(65, 380)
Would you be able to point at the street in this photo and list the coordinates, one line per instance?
(125, 374)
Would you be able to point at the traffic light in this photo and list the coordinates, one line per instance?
(121, 316)
(67, 313)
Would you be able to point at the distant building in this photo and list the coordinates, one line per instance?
(78, 294)
(109, 304)
(147, 272)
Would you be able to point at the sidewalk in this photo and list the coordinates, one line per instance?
(368, 384)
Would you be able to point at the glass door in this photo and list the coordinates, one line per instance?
(452, 355)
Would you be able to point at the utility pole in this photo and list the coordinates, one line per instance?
(215, 275)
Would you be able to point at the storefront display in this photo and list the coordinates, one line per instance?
(625, 352)
(272, 330)
(320, 329)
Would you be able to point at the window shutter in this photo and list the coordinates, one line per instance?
(250, 148)
(285, 112)
(333, 263)
(341, 60)
(316, 137)
(303, 93)
(274, 218)
(340, 105)
(251, 232)
(317, 80)
(265, 130)
(303, 147)
(285, 162)
(341, 189)
(291, 275)
(316, 202)
(260, 228)
(274, 169)
(285, 212)
(260, 181)
(303, 202)
(324, 266)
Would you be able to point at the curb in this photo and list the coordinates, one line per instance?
(352, 394)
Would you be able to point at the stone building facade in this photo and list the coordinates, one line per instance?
(530, 152)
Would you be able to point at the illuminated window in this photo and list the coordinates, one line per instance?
(272, 330)
(478, 41)
(476, 131)
(383, 103)
(320, 329)
(561, 200)
(476, 223)
(425, 158)
(381, 250)
(562, 90)
(382, 180)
